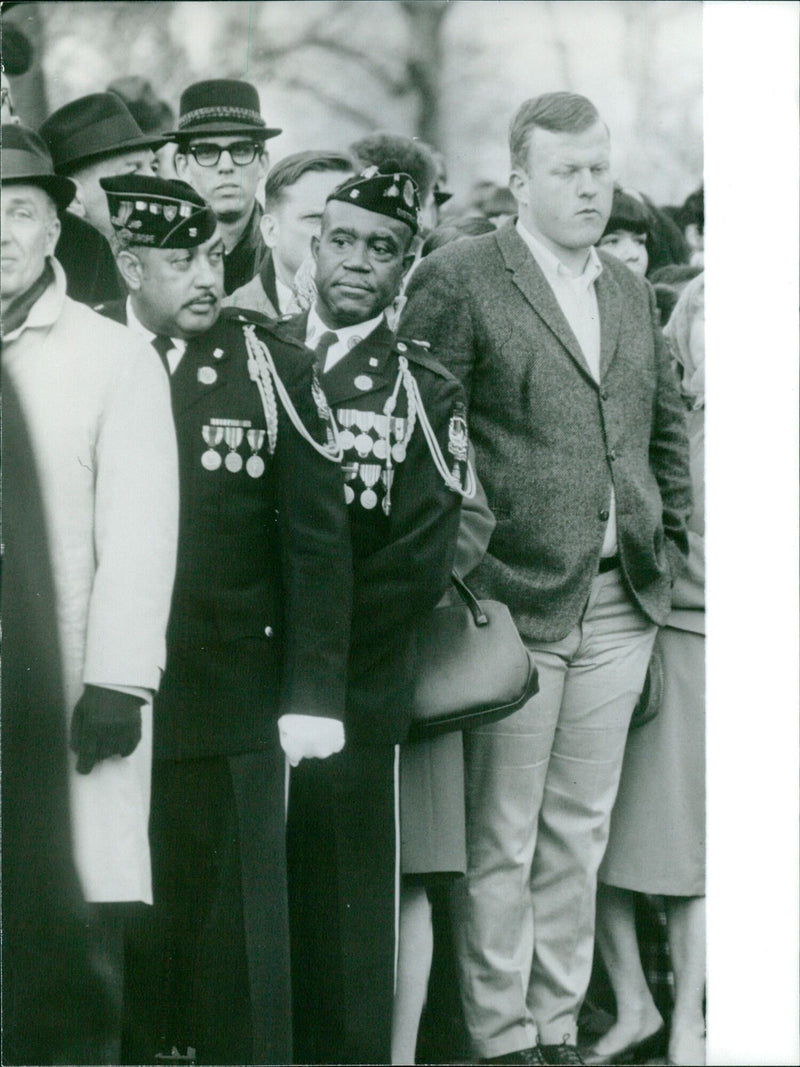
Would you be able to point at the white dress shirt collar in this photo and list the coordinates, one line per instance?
(174, 355)
(347, 336)
(552, 265)
(286, 298)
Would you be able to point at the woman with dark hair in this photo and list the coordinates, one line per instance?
(627, 231)
(657, 839)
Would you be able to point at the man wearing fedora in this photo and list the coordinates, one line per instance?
(96, 137)
(256, 644)
(220, 138)
(97, 410)
(90, 138)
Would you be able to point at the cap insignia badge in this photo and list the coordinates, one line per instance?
(124, 212)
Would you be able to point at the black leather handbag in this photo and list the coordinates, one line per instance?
(473, 668)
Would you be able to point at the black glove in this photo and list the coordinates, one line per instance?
(105, 723)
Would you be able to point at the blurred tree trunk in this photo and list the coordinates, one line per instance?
(424, 65)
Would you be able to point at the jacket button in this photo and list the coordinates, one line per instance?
(603, 514)
(604, 394)
(268, 631)
(612, 455)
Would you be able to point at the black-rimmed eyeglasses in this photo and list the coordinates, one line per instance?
(241, 152)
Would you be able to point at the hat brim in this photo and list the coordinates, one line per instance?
(223, 128)
(17, 50)
(145, 141)
(61, 190)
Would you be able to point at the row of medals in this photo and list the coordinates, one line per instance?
(354, 434)
(232, 433)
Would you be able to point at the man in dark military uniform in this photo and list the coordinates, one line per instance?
(401, 429)
(256, 644)
(221, 152)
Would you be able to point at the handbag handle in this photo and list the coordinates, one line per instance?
(479, 616)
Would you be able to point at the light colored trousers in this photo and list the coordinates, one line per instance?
(540, 787)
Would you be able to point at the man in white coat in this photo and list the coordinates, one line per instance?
(96, 404)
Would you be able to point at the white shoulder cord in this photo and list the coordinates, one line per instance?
(433, 445)
(262, 370)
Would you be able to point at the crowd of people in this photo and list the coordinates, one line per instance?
(255, 418)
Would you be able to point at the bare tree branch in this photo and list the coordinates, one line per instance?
(341, 107)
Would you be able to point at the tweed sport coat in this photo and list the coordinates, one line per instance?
(550, 440)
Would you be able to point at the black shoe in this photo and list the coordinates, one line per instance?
(563, 1053)
(529, 1056)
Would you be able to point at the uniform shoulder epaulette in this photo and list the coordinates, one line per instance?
(419, 352)
(245, 315)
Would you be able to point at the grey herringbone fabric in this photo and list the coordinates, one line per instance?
(549, 438)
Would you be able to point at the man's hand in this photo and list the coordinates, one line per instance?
(105, 723)
(309, 737)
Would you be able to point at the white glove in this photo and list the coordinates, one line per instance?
(309, 737)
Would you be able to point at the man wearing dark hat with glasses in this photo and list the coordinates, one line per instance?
(97, 410)
(256, 644)
(221, 153)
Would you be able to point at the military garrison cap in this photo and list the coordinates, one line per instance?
(158, 212)
(383, 189)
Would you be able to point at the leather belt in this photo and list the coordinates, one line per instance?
(608, 563)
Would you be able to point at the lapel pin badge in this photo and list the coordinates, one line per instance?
(206, 375)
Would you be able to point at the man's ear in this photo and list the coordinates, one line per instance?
(53, 233)
(269, 229)
(78, 203)
(315, 247)
(180, 162)
(518, 184)
(130, 267)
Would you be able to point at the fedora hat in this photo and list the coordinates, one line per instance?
(90, 127)
(223, 106)
(27, 161)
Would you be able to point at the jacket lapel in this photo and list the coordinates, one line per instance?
(609, 305)
(267, 274)
(363, 370)
(531, 282)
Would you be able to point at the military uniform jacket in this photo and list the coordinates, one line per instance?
(260, 614)
(401, 559)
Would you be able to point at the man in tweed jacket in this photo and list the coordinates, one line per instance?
(581, 446)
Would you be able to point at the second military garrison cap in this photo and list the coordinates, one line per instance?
(385, 190)
(158, 212)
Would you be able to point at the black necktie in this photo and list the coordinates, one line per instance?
(162, 345)
(321, 351)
